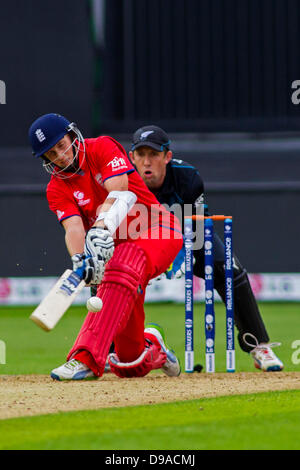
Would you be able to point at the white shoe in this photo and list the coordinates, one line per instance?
(264, 357)
(72, 370)
(172, 366)
(107, 367)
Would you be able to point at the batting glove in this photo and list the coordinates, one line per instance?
(93, 268)
(99, 243)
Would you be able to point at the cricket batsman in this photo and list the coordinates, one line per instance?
(118, 232)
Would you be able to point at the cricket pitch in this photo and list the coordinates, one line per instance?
(29, 395)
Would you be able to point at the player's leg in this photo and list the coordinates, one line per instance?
(125, 362)
(138, 351)
(133, 356)
(247, 315)
(112, 346)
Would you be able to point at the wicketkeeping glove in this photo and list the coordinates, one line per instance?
(93, 268)
(176, 269)
(99, 243)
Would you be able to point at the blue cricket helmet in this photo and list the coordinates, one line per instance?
(46, 131)
(49, 129)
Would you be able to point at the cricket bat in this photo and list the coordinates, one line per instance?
(56, 303)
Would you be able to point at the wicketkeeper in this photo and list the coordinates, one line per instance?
(100, 200)
(174, 181)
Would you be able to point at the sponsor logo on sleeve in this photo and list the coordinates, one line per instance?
(118, 163)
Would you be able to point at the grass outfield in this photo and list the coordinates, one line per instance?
(30, 350)
(256, 421)
(259, 421)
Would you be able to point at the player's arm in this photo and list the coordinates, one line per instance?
(75, 240)
(116, 183)
(74, 228)
(99, 243)
(74, 234)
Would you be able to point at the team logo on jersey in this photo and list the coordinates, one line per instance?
(60, 214)
(117, 163)
(40, 135)
(79, 195)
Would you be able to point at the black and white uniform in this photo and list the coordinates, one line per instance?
(183, 185)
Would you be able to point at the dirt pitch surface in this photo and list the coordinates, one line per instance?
(28, 395)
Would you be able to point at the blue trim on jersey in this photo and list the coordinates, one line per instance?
(119, 174)
(183, 166)
(68, 216)
(170, 228)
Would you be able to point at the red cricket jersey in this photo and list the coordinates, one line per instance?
(82, 193)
